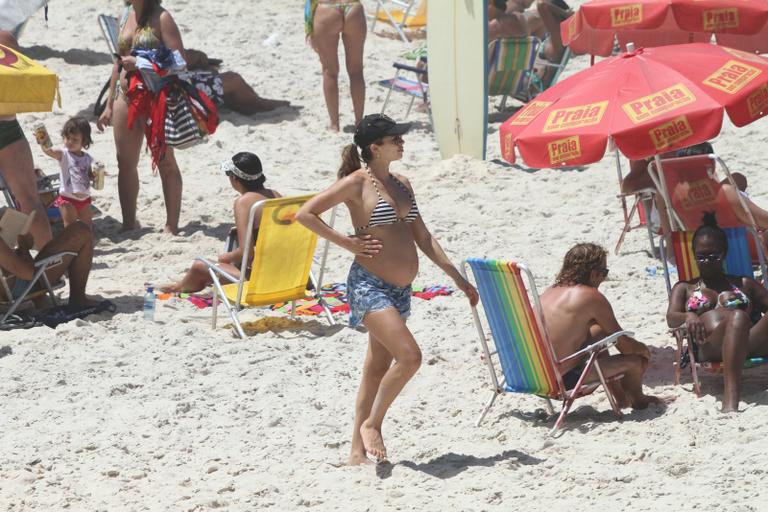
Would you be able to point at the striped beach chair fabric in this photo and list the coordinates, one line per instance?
(510, 66)
(738, 263)
(527, 359)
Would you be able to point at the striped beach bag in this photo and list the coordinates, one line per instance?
(190, 116)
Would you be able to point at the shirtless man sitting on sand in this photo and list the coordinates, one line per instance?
(577, 314)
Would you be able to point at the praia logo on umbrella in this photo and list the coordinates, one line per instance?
(575, 117)
(574, 26)
(563, 149)
(530, 112)
(658, 103)
(671, 132)
(626, 15)
(758, 101)
(718, 19)
(732, 77)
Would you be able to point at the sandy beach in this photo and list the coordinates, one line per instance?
(114, 413)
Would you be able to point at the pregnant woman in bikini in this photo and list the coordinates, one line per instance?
(388, 230)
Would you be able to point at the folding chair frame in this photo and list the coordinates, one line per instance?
(41, 267)
(536, 86)
(568, 397)
(45, 184)
(392, 86)
(407, 7)
(103, 20)
(233, 309)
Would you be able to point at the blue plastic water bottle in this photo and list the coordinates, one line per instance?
(149, 304)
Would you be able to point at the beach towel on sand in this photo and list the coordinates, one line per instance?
(334, 295)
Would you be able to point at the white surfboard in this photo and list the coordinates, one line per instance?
(457, 42)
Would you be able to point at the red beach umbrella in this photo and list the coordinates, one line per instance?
(647, 102)
(740, 24)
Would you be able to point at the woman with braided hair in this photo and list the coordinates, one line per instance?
(723, 314)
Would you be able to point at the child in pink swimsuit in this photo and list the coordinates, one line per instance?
(74, 199)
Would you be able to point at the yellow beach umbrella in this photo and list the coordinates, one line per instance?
(25, 85)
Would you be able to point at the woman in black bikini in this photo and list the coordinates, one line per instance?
(722, 313)
(386, 262)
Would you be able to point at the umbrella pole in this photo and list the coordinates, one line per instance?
(621, 178)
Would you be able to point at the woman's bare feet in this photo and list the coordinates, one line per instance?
(83, 302)
(372, 440)
(265, 105)
(171, 288)
(645, 400)
(171, 230)
(357, 459)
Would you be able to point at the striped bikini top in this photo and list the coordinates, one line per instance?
(383, 213)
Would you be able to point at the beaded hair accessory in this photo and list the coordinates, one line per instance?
(228, 166)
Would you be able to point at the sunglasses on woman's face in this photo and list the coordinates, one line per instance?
(713, 256)
(603, 271)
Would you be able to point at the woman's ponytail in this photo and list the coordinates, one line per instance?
(350, 161)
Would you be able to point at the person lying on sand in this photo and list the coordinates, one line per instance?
(577, 314)
(247, 178)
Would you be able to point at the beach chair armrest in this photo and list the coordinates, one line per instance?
(640, 192)
(406, 67)
(603, 344)
(218, 270)
(53, 259)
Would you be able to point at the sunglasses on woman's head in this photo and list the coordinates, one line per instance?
(713, 256)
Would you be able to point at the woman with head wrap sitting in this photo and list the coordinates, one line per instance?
(246, 177)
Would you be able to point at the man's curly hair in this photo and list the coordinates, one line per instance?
(578, 264)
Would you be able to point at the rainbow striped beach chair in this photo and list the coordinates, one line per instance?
(738, 262)
(527, 358)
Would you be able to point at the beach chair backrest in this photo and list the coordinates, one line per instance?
(527, 360)
(694, 189)
(738, 262)
(510, 64)
(282, 256)
(401, 14)
(110, 29)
